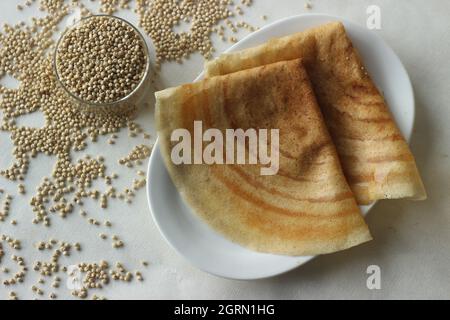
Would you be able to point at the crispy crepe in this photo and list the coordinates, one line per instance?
(375, 157)
(307, 208)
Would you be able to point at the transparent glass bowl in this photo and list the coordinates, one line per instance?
(128, 105)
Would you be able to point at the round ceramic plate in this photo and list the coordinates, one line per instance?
(208, 250)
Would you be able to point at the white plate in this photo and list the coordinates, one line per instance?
(211, 252)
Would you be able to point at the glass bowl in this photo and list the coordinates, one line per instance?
(127, 105)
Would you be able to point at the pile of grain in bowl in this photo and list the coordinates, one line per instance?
(101, 60)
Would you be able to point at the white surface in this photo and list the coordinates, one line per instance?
(211, 252)
(412, 239)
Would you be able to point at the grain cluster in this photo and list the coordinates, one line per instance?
(163, 21)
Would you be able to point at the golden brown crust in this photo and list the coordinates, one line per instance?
(307, 208)
(375, 157)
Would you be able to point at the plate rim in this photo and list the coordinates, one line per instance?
(236, 47)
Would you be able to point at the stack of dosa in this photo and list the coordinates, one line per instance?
(305, 209)
(375, 157)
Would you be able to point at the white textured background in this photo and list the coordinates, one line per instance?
(412, 239)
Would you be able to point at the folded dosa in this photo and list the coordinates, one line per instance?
(376, 159)
(307, 208)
